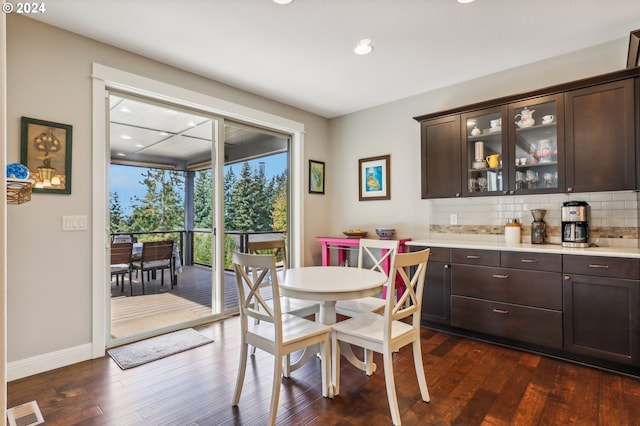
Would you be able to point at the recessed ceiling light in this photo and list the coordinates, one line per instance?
(139, 145)
(121, 154)
(282, 1)
(125, 110)
(126, 137)
(465, 1)
(364, 47)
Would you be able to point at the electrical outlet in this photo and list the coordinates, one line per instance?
(453, 219)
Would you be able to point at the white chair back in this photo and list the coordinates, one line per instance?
(254, 271)
(410, 268)
(374, 253)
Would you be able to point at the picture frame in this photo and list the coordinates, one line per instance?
(374, 178)
(633, 56)
(46, 151)
(316, 177)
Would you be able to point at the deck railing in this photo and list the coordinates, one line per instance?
(195, 245)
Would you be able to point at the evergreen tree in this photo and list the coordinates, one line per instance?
(263, 201)
(202, 209)
(117, 220)
(242, 211)
(229, 184)
(162, 207)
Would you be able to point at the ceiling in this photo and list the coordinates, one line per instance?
(145, 133)
(302, 54)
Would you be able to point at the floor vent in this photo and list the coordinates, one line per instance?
(27, 414)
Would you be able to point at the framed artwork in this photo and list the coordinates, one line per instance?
(46, 151)
(633, 57)
(374, 180)
(316, 177)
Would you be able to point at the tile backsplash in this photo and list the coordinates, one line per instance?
(613, 221)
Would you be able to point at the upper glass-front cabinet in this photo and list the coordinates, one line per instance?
(536, 137)
(514, 149)
(484, 142)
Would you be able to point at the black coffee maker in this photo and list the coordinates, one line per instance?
(575, 224)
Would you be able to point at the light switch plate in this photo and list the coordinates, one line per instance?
(453, 219)
(74, 223)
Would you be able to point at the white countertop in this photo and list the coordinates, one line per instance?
(528, 247)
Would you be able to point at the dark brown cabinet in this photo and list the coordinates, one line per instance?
(436, 297)
(489, 295)
(602, 308)
(440, 153)
(484, 152)
(576, 137)
(579, 307)
(536, 147)
(600, 137)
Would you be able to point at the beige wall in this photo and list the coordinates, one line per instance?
(49, 272)
(390, 129)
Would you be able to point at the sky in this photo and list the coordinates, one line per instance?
(125, 180)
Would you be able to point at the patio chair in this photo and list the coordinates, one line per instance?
(156, 256)
(388, 333)
(268, 328)
(121, 263)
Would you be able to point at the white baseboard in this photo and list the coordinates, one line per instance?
(38, 364)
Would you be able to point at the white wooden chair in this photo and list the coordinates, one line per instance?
(278, 248)
(271, 330)
(388, 333)
(375, 252)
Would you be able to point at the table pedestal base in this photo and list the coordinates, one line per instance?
(328, 316)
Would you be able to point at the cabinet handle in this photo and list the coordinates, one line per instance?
(447, 266)
(529, 260)
(457, 194)
(598, 266)
(500, 311)
(567, 277)
(473, 256)
(570, 189)
(502, 277)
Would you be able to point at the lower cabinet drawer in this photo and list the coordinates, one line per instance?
(523, 323)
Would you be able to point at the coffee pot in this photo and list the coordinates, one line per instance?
(538, 227)
(525, 118)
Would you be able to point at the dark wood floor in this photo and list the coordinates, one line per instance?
(471, 383)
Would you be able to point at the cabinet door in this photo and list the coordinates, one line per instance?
(601, 138)
(436, 296)
(483, 150)
(440, 157)
(536, 138)
(601, 317)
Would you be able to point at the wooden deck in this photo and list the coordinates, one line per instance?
(161, 306)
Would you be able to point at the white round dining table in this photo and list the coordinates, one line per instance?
(328, 284)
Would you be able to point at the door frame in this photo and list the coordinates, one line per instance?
(104, 78)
